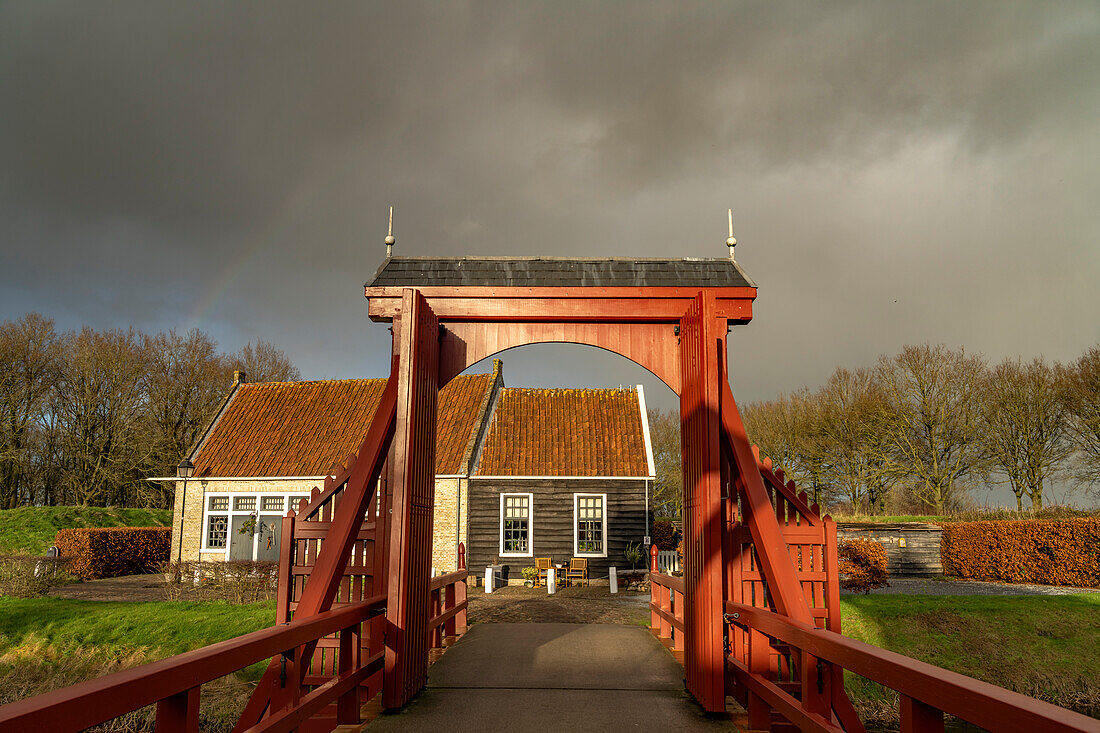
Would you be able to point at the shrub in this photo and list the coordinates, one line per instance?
(530, 573)
(664, 534)
(27, 576)
(1050, 552)
(862, 565)
(233, 581)
(108, 552)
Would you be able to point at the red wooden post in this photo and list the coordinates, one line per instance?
(760, 713)
(815, 677)
(678, 611)
(179, 713)
(702, 338)
(919, 717)
(286, 562)
(460, 593)
(413, 493)
(451, 594)
(653, 552)
(435, 608)
(347, 705)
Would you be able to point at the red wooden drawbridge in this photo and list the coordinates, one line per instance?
(755, 616)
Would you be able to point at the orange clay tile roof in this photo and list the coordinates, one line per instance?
(565, 432)
(310, 428)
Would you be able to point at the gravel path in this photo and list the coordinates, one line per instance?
(945, 587)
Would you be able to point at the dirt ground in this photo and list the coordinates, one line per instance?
(591, 605)
(125, 588)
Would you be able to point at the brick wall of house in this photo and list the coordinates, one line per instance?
(449, 522)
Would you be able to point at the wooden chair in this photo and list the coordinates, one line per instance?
(542, 564)
(578, 571)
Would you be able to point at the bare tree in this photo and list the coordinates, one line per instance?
(1025, 427)
(789, 430)
(1079, 385)
(935, 419)
(99, 407)
(263, 362)
(853, 404)
(28, 371)
(668, 491)
(185, 381)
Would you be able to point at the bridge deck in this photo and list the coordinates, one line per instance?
(542, 677)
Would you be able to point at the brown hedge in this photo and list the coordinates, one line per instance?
(1045, 551)
(107, 552)
(665, 534)
(862, 565)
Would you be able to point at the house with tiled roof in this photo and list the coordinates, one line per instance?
(561, 473)
(271, 443)
(520, 473)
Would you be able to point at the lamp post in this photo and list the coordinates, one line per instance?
(185, 470)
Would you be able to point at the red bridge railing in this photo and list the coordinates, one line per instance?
(925, 692)
(173, 684)
(666, 609)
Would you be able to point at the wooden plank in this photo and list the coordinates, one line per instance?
(413, 461)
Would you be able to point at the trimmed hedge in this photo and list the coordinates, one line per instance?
(1044, 551)
(862, 565)
(107, 552)
(665, 534)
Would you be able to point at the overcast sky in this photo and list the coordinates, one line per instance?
(899, 172)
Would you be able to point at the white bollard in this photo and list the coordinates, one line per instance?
(489, 579)
(613, 577)
(551, 582)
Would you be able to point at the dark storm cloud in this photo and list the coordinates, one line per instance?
(900, 171)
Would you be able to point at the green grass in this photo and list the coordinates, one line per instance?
(1044, 646)
(31, 529)
(161, 627)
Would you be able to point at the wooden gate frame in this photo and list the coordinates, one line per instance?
(679, 335)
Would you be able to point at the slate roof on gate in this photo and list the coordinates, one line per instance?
(565, 432)
(559, 272)
(310, 428)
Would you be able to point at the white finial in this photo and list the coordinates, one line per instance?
(730, 241)
(389, 234)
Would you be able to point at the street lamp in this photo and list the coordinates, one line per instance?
(185, 470)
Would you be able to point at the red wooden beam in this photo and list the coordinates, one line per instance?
(584, 304)
(771, 549)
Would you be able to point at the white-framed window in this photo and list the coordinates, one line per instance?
(590, 525)
(226, 514)
(516, 519)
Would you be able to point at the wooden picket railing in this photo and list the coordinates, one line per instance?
(925, 692)
(174, 684)
(447, 609)
(666, 609)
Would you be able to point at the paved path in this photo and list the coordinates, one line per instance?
(944, 587)
(549, 677)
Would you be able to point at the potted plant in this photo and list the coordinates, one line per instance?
(529, 576)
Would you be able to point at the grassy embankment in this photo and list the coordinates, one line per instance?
(977, 515)
(48, 643)
(30, 530)
(1043, 646)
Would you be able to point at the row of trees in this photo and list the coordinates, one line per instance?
(918, 431)
(922, 428)
(86, 415)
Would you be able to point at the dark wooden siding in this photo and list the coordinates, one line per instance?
(553, 521)
(920, 556)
